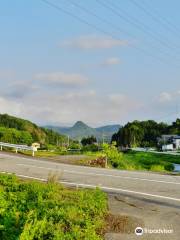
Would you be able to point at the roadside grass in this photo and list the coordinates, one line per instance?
(43, 153)
(132, 160)
(30, 210)
(151, 161)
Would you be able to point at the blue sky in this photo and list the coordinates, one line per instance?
(55, 69)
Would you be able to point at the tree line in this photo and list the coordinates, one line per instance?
(20, 131)
(144, 133)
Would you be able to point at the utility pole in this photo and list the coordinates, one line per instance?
(68, 141)
(103, 138)
(177, 110)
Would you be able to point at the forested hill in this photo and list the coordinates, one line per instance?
(144, 133)
(80, 130)
(20, 131)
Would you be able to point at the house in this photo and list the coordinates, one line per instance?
(168, 147)
(176, 142)
(169, 142)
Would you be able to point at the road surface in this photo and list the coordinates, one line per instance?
(157, 187)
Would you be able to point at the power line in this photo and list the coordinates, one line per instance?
(139, 22)
(57, 7)
(100, 18)
(138, 26)
(114, 26)
(75, 16)
(157, 18)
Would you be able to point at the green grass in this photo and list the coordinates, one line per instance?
(42, 153)
(31, 210)
(132, 160)
(150, 161)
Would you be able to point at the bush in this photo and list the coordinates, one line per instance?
(34, 211)
(90, 148)
(115, 158)
(169, 167)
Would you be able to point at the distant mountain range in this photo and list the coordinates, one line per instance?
(80, 130)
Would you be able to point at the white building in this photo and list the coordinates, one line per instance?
(168, 147)
(176, 142)
(169, 142)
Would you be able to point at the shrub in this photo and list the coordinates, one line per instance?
(35, 211)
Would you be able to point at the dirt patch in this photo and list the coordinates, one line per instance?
(122, 224)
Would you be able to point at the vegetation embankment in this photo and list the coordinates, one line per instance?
(110, 156)
(32, 210)
(132, 160)
(20, 131)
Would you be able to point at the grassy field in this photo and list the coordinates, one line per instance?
(32, 210)
(44, 154)
(150, 161)
(130, 160)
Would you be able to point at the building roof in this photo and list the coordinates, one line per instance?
(177, 137)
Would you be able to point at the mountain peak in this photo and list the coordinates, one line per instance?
(79, 124)
(80, 130)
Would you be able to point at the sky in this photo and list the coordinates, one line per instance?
(98, 61)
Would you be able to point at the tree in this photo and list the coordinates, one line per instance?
(88, 141)
(142, 133)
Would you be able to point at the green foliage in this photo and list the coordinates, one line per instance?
(132, 160)
(113, 155)
(53, 138)
(144, 133)
(12, 135)
(16, 130)
(88, 141)
(90, 148)
(175, 127)
(36, 211)
(75, 145)
(150, 161)
(23, 125)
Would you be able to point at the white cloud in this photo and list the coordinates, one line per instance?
(7, 74)
(111, 61)
(178, 92)
(165, 97)
(90, 42)
(61, 78)
(20, 89)
(9, 106)
(66, 108)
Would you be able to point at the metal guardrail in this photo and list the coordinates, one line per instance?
(18, 147)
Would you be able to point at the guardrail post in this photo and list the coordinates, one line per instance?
(1, 148)
(33, 153)
(16, 150)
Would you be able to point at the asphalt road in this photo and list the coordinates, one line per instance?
(164, 189)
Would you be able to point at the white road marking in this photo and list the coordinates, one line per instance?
(99, 174)
(108, 189)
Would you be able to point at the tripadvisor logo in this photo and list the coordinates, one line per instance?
(139, 231)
